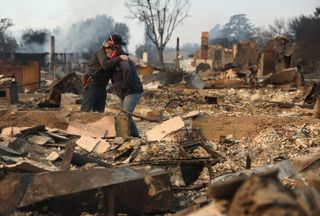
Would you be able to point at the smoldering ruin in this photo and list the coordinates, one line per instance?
(228, 131)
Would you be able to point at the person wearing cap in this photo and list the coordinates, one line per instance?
(126, 83)
(98, 76)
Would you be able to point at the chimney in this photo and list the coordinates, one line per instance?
(177, 55)
(204, 45)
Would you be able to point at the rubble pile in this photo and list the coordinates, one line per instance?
(197, 147)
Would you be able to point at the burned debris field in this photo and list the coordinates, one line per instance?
(199, 148)
(229, 127)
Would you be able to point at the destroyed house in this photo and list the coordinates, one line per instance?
(218, 57)
(24, 67)
(246, 55)
(276, 56)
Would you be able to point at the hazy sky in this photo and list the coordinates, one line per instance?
(204, 14)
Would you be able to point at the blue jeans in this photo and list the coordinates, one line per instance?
(94, 98)
(128, 103)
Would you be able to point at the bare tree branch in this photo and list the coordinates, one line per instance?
(161, 18)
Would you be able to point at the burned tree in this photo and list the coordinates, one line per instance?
(306, 30)
(279, 27)
(7, 42)
(161, 18)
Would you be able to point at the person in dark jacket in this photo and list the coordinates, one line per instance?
(96, 80)
(128, 86)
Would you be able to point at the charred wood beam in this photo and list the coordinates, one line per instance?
(103, 191)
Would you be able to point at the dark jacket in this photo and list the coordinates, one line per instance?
(100, 67)
(126, 80)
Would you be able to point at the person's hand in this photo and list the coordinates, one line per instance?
(124, 57)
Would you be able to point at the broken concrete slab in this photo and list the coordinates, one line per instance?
(119, 190)
(87, 143)
(40, 140)
(101, 147)
(191, 114)
(53, 156)
(12, 131)
(107, 123)
(104, 127)
(160, 131)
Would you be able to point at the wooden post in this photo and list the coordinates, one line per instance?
(177, 55)
(52, 58)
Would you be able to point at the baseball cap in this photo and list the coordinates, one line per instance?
(116, 39)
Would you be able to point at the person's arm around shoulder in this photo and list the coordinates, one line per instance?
(107, 63)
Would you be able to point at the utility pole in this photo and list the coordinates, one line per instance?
(178, 55)
(52, 58)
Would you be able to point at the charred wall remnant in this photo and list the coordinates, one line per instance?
(25, 67)
(9, 92)
(276, 56)
(71, 83)
(245, 55)
(218, 57)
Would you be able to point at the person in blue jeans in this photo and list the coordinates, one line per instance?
(127, 85)
(98, 76)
